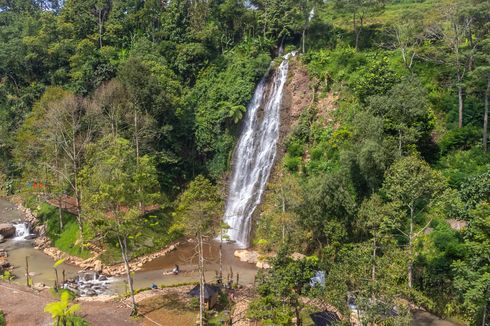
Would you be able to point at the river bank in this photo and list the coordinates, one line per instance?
(148, 269)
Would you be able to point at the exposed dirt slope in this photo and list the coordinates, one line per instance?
(25, 307)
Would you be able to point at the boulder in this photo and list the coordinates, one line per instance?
(90, 293)
(249, 256)
(39, 286)
(7, 230)
(98, 266)
(4, 264)
(297, 256)
(41, 242)
(263, 264)
(2, 238)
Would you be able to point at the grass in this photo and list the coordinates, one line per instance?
(2, 318)
(66, 239)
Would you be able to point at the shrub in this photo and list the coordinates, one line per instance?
(292, 163)
(462, 138)
(295, 148)
(458, 166)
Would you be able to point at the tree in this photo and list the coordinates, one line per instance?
(413, 185)
(199, 211)
(287, 18)
(459, 42)
(279, 220)
(472, 278)
(233, 112)
(54, 137)
(281, 289)
(407, 36)
(69, 129)
(378, 220)
(110, 105)
(349, 280)
(405, 112)
(116, 192)
(360, 10)
(479, 79)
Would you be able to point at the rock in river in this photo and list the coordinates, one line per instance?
(7, 230)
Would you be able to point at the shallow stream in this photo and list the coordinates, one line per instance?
(154, 272)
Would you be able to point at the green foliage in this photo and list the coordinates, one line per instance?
(472, 278)
(7, 276)
(63, 311)
(2, 318)
(460, 139)
(281, 288)
(476, 190)
(169, 83)
(459, 166)
(198, 209)
(117, 185)
(66, 239)
(219, 97)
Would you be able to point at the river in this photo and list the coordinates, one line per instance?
(42, 271)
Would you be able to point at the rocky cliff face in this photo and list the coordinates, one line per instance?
(299, 94)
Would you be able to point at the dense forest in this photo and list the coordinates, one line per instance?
(383, 181)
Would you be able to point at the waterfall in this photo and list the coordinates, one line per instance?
(21, 231)
(254, 155)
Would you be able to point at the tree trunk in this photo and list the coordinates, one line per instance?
(60, 212)
(460, 105)
(136, 137)
(100, 28)
(373, 268)
(28, 277)
(485, 118)
(356, 32)
(79, 213)
(57, 279)
(410, 253)
(303, 38)
(298, 316)
(75, 186)
(220, 275)
(201, 279)
(483, 321)
(124, 253)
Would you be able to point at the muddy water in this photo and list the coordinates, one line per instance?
(41, 265)
(185, 257)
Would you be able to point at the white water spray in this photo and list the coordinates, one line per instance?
(255, 154)
(21, 231)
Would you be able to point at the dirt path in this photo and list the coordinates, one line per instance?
(24, 307)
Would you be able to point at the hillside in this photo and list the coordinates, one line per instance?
(381, 176)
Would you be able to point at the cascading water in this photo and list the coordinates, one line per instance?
(255, 154)
(21, 231)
